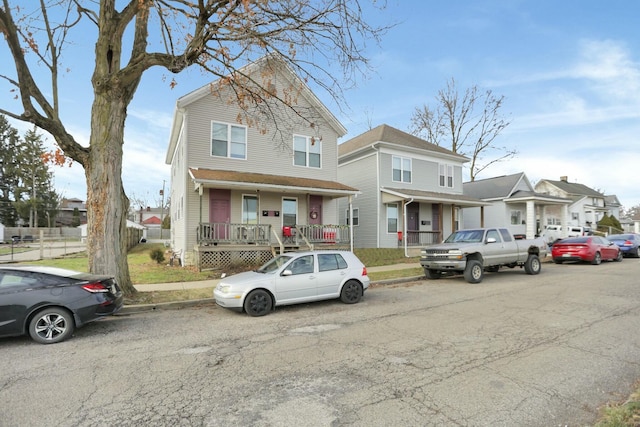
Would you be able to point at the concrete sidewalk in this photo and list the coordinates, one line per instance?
(212, 283)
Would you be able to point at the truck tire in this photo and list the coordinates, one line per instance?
(474, 272)
(532, 265)
(431, 274)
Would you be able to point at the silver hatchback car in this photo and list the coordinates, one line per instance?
(293, 278)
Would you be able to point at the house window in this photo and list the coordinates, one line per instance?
(392, 218)
(356, 217)
(228, 141)
(575, 216)
(249, 210)
(401, 169)
(306, 151)
(516, 217)
(289, 212)
(446, 176)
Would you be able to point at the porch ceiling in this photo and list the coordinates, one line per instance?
(393, 194)
(210, 178)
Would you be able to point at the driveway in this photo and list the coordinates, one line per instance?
(522, 350)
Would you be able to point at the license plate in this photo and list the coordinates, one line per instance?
(566, 255)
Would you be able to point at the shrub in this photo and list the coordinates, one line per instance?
(157, 255)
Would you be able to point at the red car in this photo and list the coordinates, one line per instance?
(593, 249)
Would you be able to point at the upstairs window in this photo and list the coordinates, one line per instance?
(306, 152)
(446, 176)
(228, 141)
(401, 169)
(356, 217)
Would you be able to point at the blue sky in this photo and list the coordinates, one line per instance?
(569, 72)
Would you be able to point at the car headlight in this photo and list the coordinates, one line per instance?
(455, 254)
(224, 289)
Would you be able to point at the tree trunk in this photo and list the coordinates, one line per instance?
(107, 203)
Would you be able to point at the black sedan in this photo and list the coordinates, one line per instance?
(49, 303)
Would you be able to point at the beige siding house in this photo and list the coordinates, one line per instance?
(411, 190)
(241, 193)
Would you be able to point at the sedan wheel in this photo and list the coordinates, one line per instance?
(258, 303)
(51, 325)
(351, 292)
(636, 254)
(597, 259)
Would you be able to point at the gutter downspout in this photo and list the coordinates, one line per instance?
(404, 227)
(351, 223)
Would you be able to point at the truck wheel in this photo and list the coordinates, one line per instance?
(473, 272)
(532, 265)
(431, 274)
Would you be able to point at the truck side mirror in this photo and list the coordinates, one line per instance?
(491, 240)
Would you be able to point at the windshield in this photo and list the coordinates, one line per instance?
(274, 264)
(473, 236)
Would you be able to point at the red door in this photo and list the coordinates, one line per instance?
(315, 209)
(219, 213)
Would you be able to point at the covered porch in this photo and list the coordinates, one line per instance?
(249, 218)
(427, 217)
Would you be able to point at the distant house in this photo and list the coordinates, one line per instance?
(587, 207)
(411, 190)
(151, 217)
(514, 204)
(71, 213)
(241, 193)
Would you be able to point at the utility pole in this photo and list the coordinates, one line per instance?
(162, 208)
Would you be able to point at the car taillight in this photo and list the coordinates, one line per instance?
(96, 287)
(364, 271)
(628, 243)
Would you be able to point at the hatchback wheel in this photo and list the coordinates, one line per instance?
(619, 257)
(258, 303)
(597, 259)
(351, 292)
(51, 325)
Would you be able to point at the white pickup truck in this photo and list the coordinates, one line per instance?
(473, 251)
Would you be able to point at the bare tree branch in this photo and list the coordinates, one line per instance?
(455, 123)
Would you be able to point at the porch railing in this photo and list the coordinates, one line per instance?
(423, 238)
(213, 233)
(210, 233)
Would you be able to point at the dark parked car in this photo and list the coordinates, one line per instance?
(593, 249)
(628, 243)
(49, 303)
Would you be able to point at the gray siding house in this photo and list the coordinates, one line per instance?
(514, 204)
(242, 193)
(411, 190)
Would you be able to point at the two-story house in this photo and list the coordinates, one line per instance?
(240, 193)
(411, 190)
(587, 205)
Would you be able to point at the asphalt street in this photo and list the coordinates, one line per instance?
(514, 350)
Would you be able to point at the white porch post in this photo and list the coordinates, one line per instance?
(351, 223)
(531, 219)
(564, 221)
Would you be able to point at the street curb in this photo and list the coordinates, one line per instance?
(128, 310)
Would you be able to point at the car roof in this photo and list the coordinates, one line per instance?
(44, 269)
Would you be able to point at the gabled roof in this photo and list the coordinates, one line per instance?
(269, 60)
(153, 220)
(499, 187)
(506, 188)
(385, 134)
(260, 181)
(574, 188)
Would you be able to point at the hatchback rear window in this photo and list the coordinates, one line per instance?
(327, 262)
(575, 240)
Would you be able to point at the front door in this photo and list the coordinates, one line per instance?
(413, 224)
(315, 210)
(219, 213)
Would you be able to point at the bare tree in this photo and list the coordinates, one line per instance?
(220, 36)
(466, 124)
